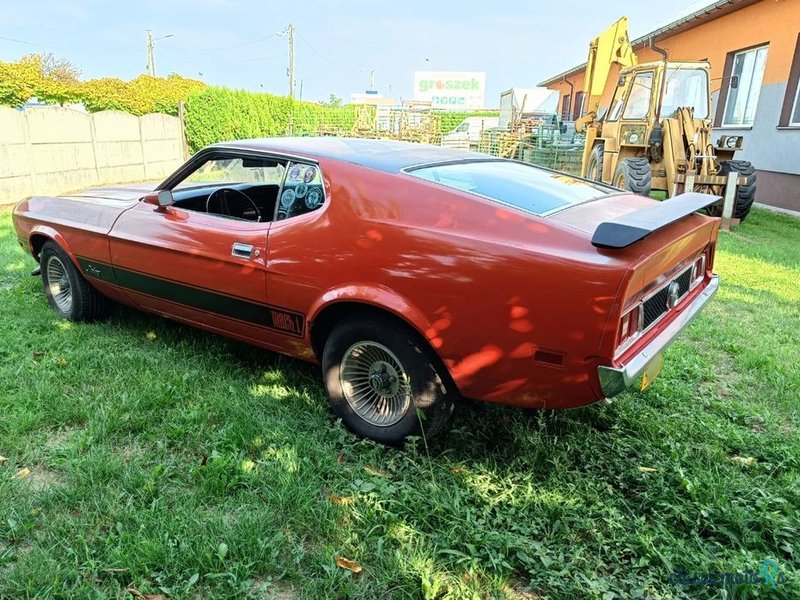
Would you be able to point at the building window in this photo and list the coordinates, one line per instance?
(745, 86)
(577, 110)
(790, 112)
(565, 104)
(795, 120)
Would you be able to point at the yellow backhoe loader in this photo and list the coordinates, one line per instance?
(656, 133)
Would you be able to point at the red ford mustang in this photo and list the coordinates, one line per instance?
(414, 274)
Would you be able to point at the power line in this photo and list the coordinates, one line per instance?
(263, 39)
(260, 58)
(8, 39)
(321, 55)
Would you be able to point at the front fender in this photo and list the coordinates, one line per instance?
(50, 233)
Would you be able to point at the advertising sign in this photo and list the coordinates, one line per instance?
(450, 90)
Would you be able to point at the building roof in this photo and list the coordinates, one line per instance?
(698, 13)
(384, 155)
(537, 99)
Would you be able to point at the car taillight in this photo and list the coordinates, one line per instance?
(630, 326)
(698, 271)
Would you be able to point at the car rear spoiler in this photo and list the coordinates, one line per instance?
(629, 229)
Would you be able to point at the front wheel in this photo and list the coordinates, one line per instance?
(634, 175)
(67, 291)
(382, 381)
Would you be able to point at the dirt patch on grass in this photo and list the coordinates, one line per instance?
(41, 479)
(58, 438)
(130, 451)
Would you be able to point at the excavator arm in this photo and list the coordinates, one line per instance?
(611, 46)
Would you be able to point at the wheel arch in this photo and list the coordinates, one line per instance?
(328, 314)
(42, 234)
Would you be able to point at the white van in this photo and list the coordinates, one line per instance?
(468, 132)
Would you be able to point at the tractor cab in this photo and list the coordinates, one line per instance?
(656, 133)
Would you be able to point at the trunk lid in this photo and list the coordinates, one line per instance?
(654, 260)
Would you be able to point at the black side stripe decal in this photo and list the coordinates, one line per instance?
(264, 315)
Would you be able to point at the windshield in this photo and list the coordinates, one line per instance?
(235, 170)
(686, 87)
(522, 186)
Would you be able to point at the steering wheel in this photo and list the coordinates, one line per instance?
(225, 195)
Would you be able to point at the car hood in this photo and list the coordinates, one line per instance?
(125, 193)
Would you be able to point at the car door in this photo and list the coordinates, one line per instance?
(195, 267)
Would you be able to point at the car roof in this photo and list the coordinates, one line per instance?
(390, 156)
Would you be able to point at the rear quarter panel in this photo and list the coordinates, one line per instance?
(487, 286)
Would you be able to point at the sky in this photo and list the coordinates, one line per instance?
(238, 43)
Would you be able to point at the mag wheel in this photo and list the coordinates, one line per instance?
(68, 293)
(58, 287)
(383, 381)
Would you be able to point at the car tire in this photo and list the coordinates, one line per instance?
(67, 291)
(383, 381)
(594, 169)
(634, 175)
(745, 194)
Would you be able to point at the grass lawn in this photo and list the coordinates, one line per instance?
(169, 461)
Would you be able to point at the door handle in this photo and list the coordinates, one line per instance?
(242, 250)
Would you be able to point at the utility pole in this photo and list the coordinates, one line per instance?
(291, 61)
(151, 62)
(372, 79)
(151, 54)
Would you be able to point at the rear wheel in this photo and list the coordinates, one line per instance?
(594, 170)
(383, 382)
(67, 291)
(745, 194)
(634, 175)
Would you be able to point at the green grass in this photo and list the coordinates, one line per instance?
(179, 463)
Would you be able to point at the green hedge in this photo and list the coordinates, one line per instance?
(450, 120)
(215, 114)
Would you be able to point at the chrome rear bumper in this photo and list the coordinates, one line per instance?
(615, 380)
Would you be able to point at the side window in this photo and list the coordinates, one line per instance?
(616, 104)
(233, 187)
(302, 191)
(638, 105)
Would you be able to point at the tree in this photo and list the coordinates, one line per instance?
(55, 67)
(334, 102)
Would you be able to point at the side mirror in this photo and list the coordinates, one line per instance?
(161, 199)
(165, 198)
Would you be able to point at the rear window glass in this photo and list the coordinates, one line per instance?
(519, 185)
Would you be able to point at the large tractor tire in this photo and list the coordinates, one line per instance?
(634, 175)
(745, 194)
(594, 170)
